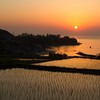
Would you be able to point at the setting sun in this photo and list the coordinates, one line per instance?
(76, 27)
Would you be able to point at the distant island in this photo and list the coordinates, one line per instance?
(29, 44)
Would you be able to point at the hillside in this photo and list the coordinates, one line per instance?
(28, 44)
(5, 34)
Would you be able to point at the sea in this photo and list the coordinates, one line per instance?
(89, 45)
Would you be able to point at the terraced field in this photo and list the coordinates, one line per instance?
(24, 84)
(74, 63)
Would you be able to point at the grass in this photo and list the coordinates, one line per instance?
(18, 61)
(8, 63)
(46, 83)
(22, 84)
(25, 60)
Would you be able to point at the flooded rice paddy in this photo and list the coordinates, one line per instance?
(74, 63)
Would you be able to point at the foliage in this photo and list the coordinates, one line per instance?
(28, 44)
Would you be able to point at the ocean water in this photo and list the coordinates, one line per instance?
(87, 42)
(90, 41)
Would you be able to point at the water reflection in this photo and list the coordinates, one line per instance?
(69, 50)
(84, 47)
(74, 63)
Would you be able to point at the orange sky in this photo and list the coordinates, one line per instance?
(51, 16)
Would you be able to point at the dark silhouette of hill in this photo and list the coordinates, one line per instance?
(5, 39)
(28, 44)
(5, 35)
(47, 40)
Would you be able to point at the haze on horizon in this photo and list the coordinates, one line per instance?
(53, 16)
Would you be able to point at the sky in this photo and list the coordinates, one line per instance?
(51, 16)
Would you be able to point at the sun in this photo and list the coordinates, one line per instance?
(76, 27)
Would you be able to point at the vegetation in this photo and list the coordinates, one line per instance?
(12, 48)
(9, 62)
(22, 84)
(17, 62)
(28, 44)
(57, 56)
(89, 56)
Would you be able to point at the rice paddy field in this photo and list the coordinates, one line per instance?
(24, 84)
(73, 63)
